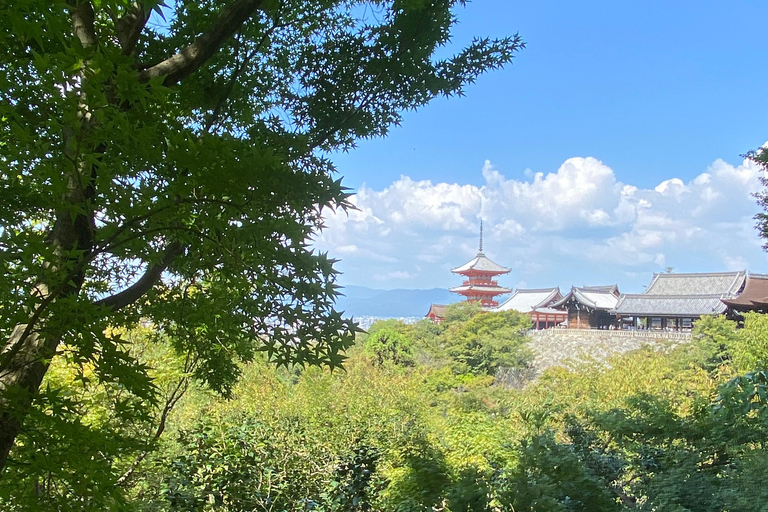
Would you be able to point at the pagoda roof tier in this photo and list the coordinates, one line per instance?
(480, 289)
(481, 264)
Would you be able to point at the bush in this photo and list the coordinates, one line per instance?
(389, 346)
(489, 341)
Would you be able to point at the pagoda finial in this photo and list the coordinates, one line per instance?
(481, 235)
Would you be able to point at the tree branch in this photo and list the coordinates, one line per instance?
(82, 22)
(214, 117)
(170, 403)
(143, 285)
(129, 27)
(191, 58)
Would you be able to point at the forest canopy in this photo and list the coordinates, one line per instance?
(411, 428)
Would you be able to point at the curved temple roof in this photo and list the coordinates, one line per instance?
(683, 295)
(483, 289)
(669, 305)
(596, 297)
(755, 293)
(526, 301)
(713, 283)
(481, 263)
(437, 310)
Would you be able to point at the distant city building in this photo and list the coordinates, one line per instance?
(479, 284)
(590, 307)
(365, 322)
(536, 303)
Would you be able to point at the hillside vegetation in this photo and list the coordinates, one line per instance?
(422, 418)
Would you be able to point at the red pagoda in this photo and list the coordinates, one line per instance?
(479, 284)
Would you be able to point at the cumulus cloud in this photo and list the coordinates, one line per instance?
(574, 225)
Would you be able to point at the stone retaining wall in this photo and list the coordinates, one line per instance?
(554, 347)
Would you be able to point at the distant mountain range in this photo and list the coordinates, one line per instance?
(361, 301)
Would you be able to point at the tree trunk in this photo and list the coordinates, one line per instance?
(26, 356)
(28, 352)
(21, 380)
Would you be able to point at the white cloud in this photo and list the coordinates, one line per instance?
(347, 249)
(396, 275)
(578, 225)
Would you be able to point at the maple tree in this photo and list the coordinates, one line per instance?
(169, 164)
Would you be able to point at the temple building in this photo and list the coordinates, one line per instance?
(536, 304)
(754, 297)
(479, 284)
(675, 301)
(589, 307)
(436, 313)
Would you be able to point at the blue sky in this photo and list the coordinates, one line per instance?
(639, 93)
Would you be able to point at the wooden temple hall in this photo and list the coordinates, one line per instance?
(671, 302)
(589, 307)
(675, 301)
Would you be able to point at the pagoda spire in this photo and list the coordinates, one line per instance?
(481, 235)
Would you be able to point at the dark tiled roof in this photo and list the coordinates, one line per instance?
(669, 305)
(715, 283)
(611, 288)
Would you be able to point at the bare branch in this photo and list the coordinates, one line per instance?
(170, 403)
(144, 284)
(129, 27)
(191, 58)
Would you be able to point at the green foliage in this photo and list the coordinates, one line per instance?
(388, 345)
(470, 491)
(750, 348)
(238, 468)
(760, 157)
(713, 339)
(741, 409)
(646, 431)
(418, 479)
(350, 485)
(550, 476)
(489, 341)
(139, 184)
(461, 311)
(88, 431)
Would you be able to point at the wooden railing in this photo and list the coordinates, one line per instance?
(469, 282)
(659, 335)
